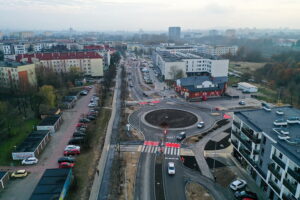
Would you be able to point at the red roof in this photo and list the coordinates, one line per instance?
(94, 47)
(58, 56)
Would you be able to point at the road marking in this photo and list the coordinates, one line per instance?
(172, 151)
(143, 149)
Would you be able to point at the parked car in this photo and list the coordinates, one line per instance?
(30, 161)
(92, 105)
(81, 129)
(81, 125)
(181, 136)
(83, 93)
(171, 168)
(242, 103)
(245, 194)
(238, 184)
(68, 147)
(79, 134)
(66, 165)
(91, 117)
(19, 173)
(71, 152)
(84, 120)
(66, 159)
(76, 140)
(200, 124)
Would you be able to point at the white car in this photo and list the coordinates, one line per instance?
(30, 161)
(171, 168)
(238, 184)
(200, 125)
(92, 105)
(72, 147)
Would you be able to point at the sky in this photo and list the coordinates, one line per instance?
(149, 15)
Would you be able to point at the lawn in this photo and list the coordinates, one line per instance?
(194, 191)
(20, 130)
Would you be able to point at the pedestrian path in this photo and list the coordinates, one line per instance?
(166, 149)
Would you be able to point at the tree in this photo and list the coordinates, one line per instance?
(1, 55)
(176, 73)
(47, 93)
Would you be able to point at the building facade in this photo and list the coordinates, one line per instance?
(17, 75)
(90, 63)
(266, 142)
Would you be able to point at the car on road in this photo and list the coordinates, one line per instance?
(181, 136)
(92, 105)
(238, 184)
(66, 165)
(66, 159)
(81, 125)
(84, 120)
(68, 147)
(83, 93)
(91, 117)
(76, 140)
(131, 85)
(171, 168)
(19, 173)
(245, 194)
(71, 152)
(30, 161)
(242, 103)
(81, 129)
(79, 134)
(200, 124)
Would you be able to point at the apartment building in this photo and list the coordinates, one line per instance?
(191, 64)
(7, 49)
(20, 49)
(174, 33)
(267, 143)
(90, 63)
(218, 50)
(17, 75)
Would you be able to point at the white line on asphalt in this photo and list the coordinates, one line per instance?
(165, 151)
(156, 149)
(143, 148)
(171, 151)
(153, 149)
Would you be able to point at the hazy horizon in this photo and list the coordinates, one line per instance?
(149, 15)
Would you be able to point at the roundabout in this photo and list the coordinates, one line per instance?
(171, 118)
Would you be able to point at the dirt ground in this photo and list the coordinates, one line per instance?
(194, 191)
(225, 180)
(245, 66)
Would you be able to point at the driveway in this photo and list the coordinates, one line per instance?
(23, 188)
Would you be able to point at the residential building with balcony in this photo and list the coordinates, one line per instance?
(270, 151)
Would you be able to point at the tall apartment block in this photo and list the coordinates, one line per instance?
(267, 144)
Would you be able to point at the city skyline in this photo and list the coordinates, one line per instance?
(132, 15)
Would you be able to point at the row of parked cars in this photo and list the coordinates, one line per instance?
(239, 186)
(79, 136)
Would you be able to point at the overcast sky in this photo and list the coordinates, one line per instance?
(132, 15)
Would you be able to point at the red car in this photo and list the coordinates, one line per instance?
(71, 152)
(81, 125)
(66, 165)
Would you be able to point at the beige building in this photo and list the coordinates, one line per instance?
(90, 63)
(17, 75)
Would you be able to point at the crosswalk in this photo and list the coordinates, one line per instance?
(156, 149)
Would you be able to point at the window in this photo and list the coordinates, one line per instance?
(262, 151)
(280, 155)
(264, 140)
(260, 162)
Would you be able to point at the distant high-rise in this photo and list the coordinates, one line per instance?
(174, 33)
(213, 32)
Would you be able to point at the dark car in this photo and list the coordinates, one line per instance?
(76, 140)
(146, 95)
(181, 136)
(91, 117)
(84, 120)
(80, 129)
(245, 194)
(66, 159)
(79, 134)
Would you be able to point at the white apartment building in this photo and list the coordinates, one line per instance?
(20, 49)
(37, 47)
(7, 49)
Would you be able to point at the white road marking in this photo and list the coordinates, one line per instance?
(143, 149)
(165, 151)
(171, 151)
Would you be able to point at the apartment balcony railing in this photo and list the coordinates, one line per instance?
(243, 141)
(274, 186)
(276, 173)
(251, 136)
(235, 143)
(295, 174)
(292, 188)
(238, 125)
(278, 161)
(252, 162)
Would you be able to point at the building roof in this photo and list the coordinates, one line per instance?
(262, 121)
(50, 120)
(192, 82)
(32, 141)
(13, 64)
(59, 56)
(2, 174)
(51, 184)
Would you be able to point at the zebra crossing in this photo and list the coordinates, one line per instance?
(156, 149)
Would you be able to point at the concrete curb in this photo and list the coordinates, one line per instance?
(101, 165)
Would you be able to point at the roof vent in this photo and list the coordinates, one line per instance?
(284, 137)
(280, 122)
(293, 120)
(266, 107)
(284, 131)
(279, 112)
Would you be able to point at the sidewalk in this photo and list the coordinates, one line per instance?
(101, 165)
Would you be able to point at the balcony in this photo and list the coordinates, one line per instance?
(238, 125)
(295, 174)
(235, 143)
(278, 161)
(292, 188)
(274, 186)
(246, 155)
(275, 172)
(251, 136)
(243, 141)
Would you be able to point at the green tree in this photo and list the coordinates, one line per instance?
(47, 92)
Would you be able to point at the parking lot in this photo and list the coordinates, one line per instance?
(22, 188)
